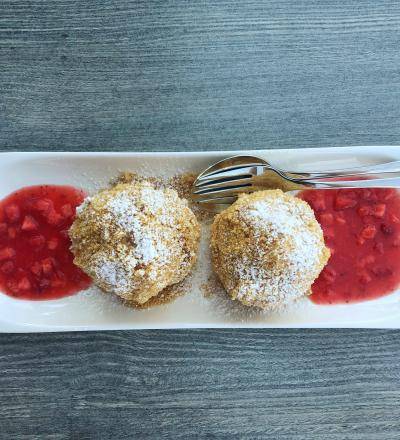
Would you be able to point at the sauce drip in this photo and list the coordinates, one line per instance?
(362, 229)
(35, 260)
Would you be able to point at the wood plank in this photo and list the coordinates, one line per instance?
(247, 384)
(150, 75)
(178, 75)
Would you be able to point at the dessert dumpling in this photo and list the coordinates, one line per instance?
(134, 240)
(267, 249)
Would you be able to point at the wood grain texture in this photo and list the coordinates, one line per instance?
(153, 75)
(309, 384)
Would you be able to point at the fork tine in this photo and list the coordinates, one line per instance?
(225, 173)
(229, 168)
(222, 187)
(217, 201)
(223, 192)
(233, 183)
(232, 162)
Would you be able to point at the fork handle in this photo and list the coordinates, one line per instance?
(365, 183)
(385, 168)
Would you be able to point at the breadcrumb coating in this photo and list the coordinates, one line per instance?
(135, 240)
(267, 249)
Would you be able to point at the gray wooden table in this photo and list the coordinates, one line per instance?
(181, 75)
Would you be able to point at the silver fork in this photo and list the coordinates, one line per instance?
(222, 182)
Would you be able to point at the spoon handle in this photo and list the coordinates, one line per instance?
(392, 182)
(385, 168)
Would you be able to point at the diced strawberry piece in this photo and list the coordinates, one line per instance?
(12, 232)
(319, 204)
(364, 277)
(36, 268)
(329, 233)
(326, 218)
(67, 211)
(55, 283)
(54, 219)
(64, 233)
(394, 218)
(29, 224)
(360, 240)
(7, 253)
(44, 206)
(332, 251)
(340, 220)
(44, 283)
(24, 284)
(368, 232)
(386, 229)
(329, 293)
(348, 192)
(327, 278)
(52, 243)
(7, 267)
(343, 202)
(47, 268)
(375, 196)
(379, 210)
(396, 242)
(38, 241)
(368, 259)
(3, 229)
(61, 275)
(379, 248)
(388, 193)
(382, 272)
(13, 213)
(366, 193)
(59, 280)
(48, 265)
(364, 210)
(329, 275)
(12, 286)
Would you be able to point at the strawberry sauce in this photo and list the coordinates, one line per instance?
(35, 260)
(362, 229)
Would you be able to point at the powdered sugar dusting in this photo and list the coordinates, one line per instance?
(83, 205)
(135, 239)
(126, 213)
(113, 273)
(277, 220)
(280, 258)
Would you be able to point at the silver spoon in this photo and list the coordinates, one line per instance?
(222, 182)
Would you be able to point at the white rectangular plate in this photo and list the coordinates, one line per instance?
(92, 310)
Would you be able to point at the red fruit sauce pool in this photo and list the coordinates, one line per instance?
(35, 260)
(362, 229)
